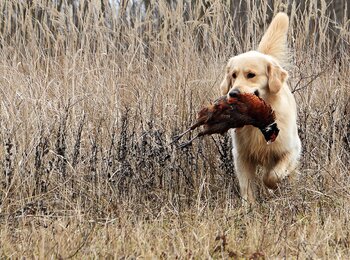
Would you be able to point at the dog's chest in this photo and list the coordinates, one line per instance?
(250, 143)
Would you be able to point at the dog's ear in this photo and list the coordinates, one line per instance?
(225, 85)
(276, 77)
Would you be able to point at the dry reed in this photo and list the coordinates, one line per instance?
(90, 97)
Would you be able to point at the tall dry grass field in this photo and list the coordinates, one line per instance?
(90, 97)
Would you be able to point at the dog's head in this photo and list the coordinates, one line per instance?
(253, 72)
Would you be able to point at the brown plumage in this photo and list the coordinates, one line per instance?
(235, 112)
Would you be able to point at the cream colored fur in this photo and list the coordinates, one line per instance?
(249, 146)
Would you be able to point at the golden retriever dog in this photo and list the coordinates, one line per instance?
(260, 72)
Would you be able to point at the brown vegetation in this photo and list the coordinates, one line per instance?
(90, 98)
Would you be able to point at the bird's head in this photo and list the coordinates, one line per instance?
(270, 132)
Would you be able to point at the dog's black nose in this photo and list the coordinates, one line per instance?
(234, 93)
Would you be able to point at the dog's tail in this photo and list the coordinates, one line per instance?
(274, 41)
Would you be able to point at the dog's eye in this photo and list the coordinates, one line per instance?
(250, 75)
(234, 75)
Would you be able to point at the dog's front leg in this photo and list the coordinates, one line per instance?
(281, 169)
(245, 171)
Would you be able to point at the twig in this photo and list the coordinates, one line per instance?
(313, 77)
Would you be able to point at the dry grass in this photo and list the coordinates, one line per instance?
(89, 106)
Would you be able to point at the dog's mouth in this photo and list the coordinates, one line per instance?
(233, 95)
